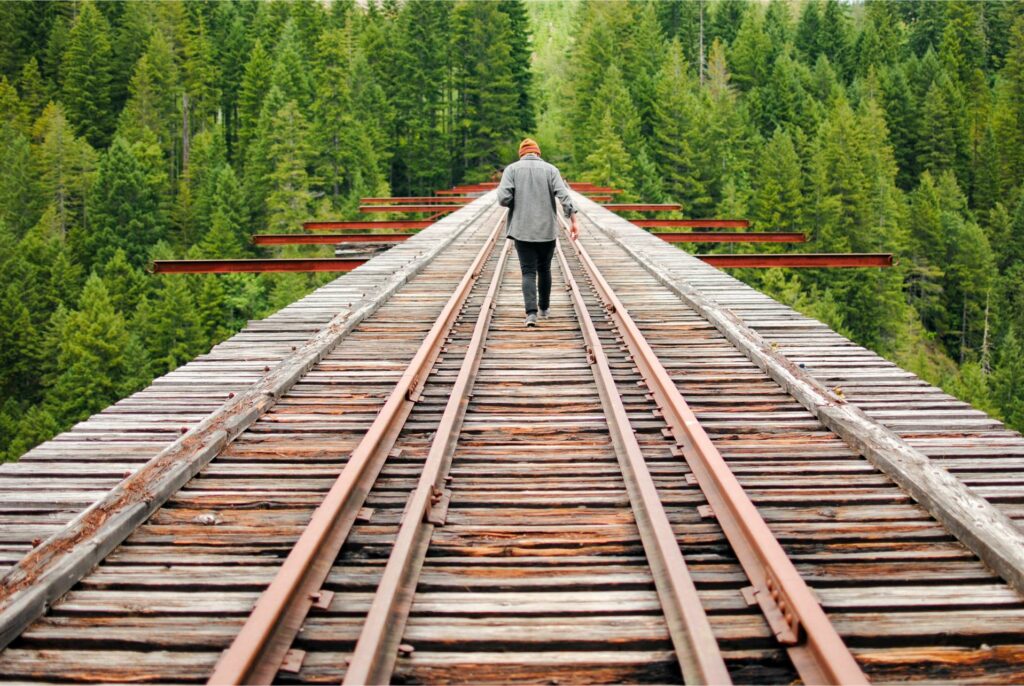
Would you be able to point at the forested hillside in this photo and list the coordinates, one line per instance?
(136, 130)
(880, 126)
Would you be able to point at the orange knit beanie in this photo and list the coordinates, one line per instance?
(527, 146)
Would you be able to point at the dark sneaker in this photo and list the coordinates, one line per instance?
(543, 314)
(531, 319)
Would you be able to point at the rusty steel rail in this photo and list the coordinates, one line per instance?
(373, 660)
(298, 264)
(258, 650)
(410, 209)
(700, 658)
(830, 260)
(731, 237)
(327, 238)
(796, 618)
(691, 223)
(361, 225)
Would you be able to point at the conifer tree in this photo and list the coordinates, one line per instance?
(125, 210)
(1008, 379)
(288, 201)
(34, 91)
(86, 76)
(255, 84)
(676, 117)
(750, 53)
(93, 359)
(154, 95)
(778, 196)
(65, 166)
(170, 326)
(519, 59)
(609, 163)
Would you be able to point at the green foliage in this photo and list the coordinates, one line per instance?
(86, 74)
(883, 126)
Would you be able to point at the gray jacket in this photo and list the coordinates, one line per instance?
(528, 189)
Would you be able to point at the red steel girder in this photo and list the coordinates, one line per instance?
(732, 237)
(360, 225)
(643, 207)
(410, 208)
(801, 260)
(327, 238)
(589, 188)
(418, 199)
(299, 264)
(692, 223)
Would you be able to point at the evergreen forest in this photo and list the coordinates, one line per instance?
(133, 131)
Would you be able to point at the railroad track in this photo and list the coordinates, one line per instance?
(620, 495)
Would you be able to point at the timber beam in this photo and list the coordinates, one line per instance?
(327, 238)
(732, 237)
(361, 225)
(801, 260)
(301, 264)
(692, 223)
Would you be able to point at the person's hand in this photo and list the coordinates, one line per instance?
(574, 228)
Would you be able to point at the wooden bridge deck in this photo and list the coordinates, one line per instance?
(539, 571)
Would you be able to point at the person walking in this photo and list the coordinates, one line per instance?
(528, 188)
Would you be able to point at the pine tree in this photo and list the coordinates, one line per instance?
(677, 112)
(519, 59)
(255, 83)
(1008, 113)
(125, 284)
(227, 217)
(170, 327)
(201, 75)
(750, 53)
(609, 164)
(86, 75)
(94, 367)
(65, 166)
(19, 202)
(154, 95)
(778, 197)
(125, 210)
(288, 201)
(34, 91)
(939, 144)
(1008, 380)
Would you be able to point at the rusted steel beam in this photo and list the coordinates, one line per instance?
(729, 237)
(418, 199)
(698, 652)
(788, 604)
(692, 223)
(362, 225)
(373, 660)
(256, 654)
(299, 264)
(327, 238)
(642, 207)
(455, 192)
(801, 260)
(589, 188)
(410, 208)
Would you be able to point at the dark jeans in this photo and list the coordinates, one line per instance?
(535, 260)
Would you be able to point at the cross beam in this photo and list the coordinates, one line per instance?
(327, 238)
(301, 264)
(418, 199)
(397, 224)
(692, 223)
(733, 237)
(801, 260)
(642, 207)
(410, 208)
